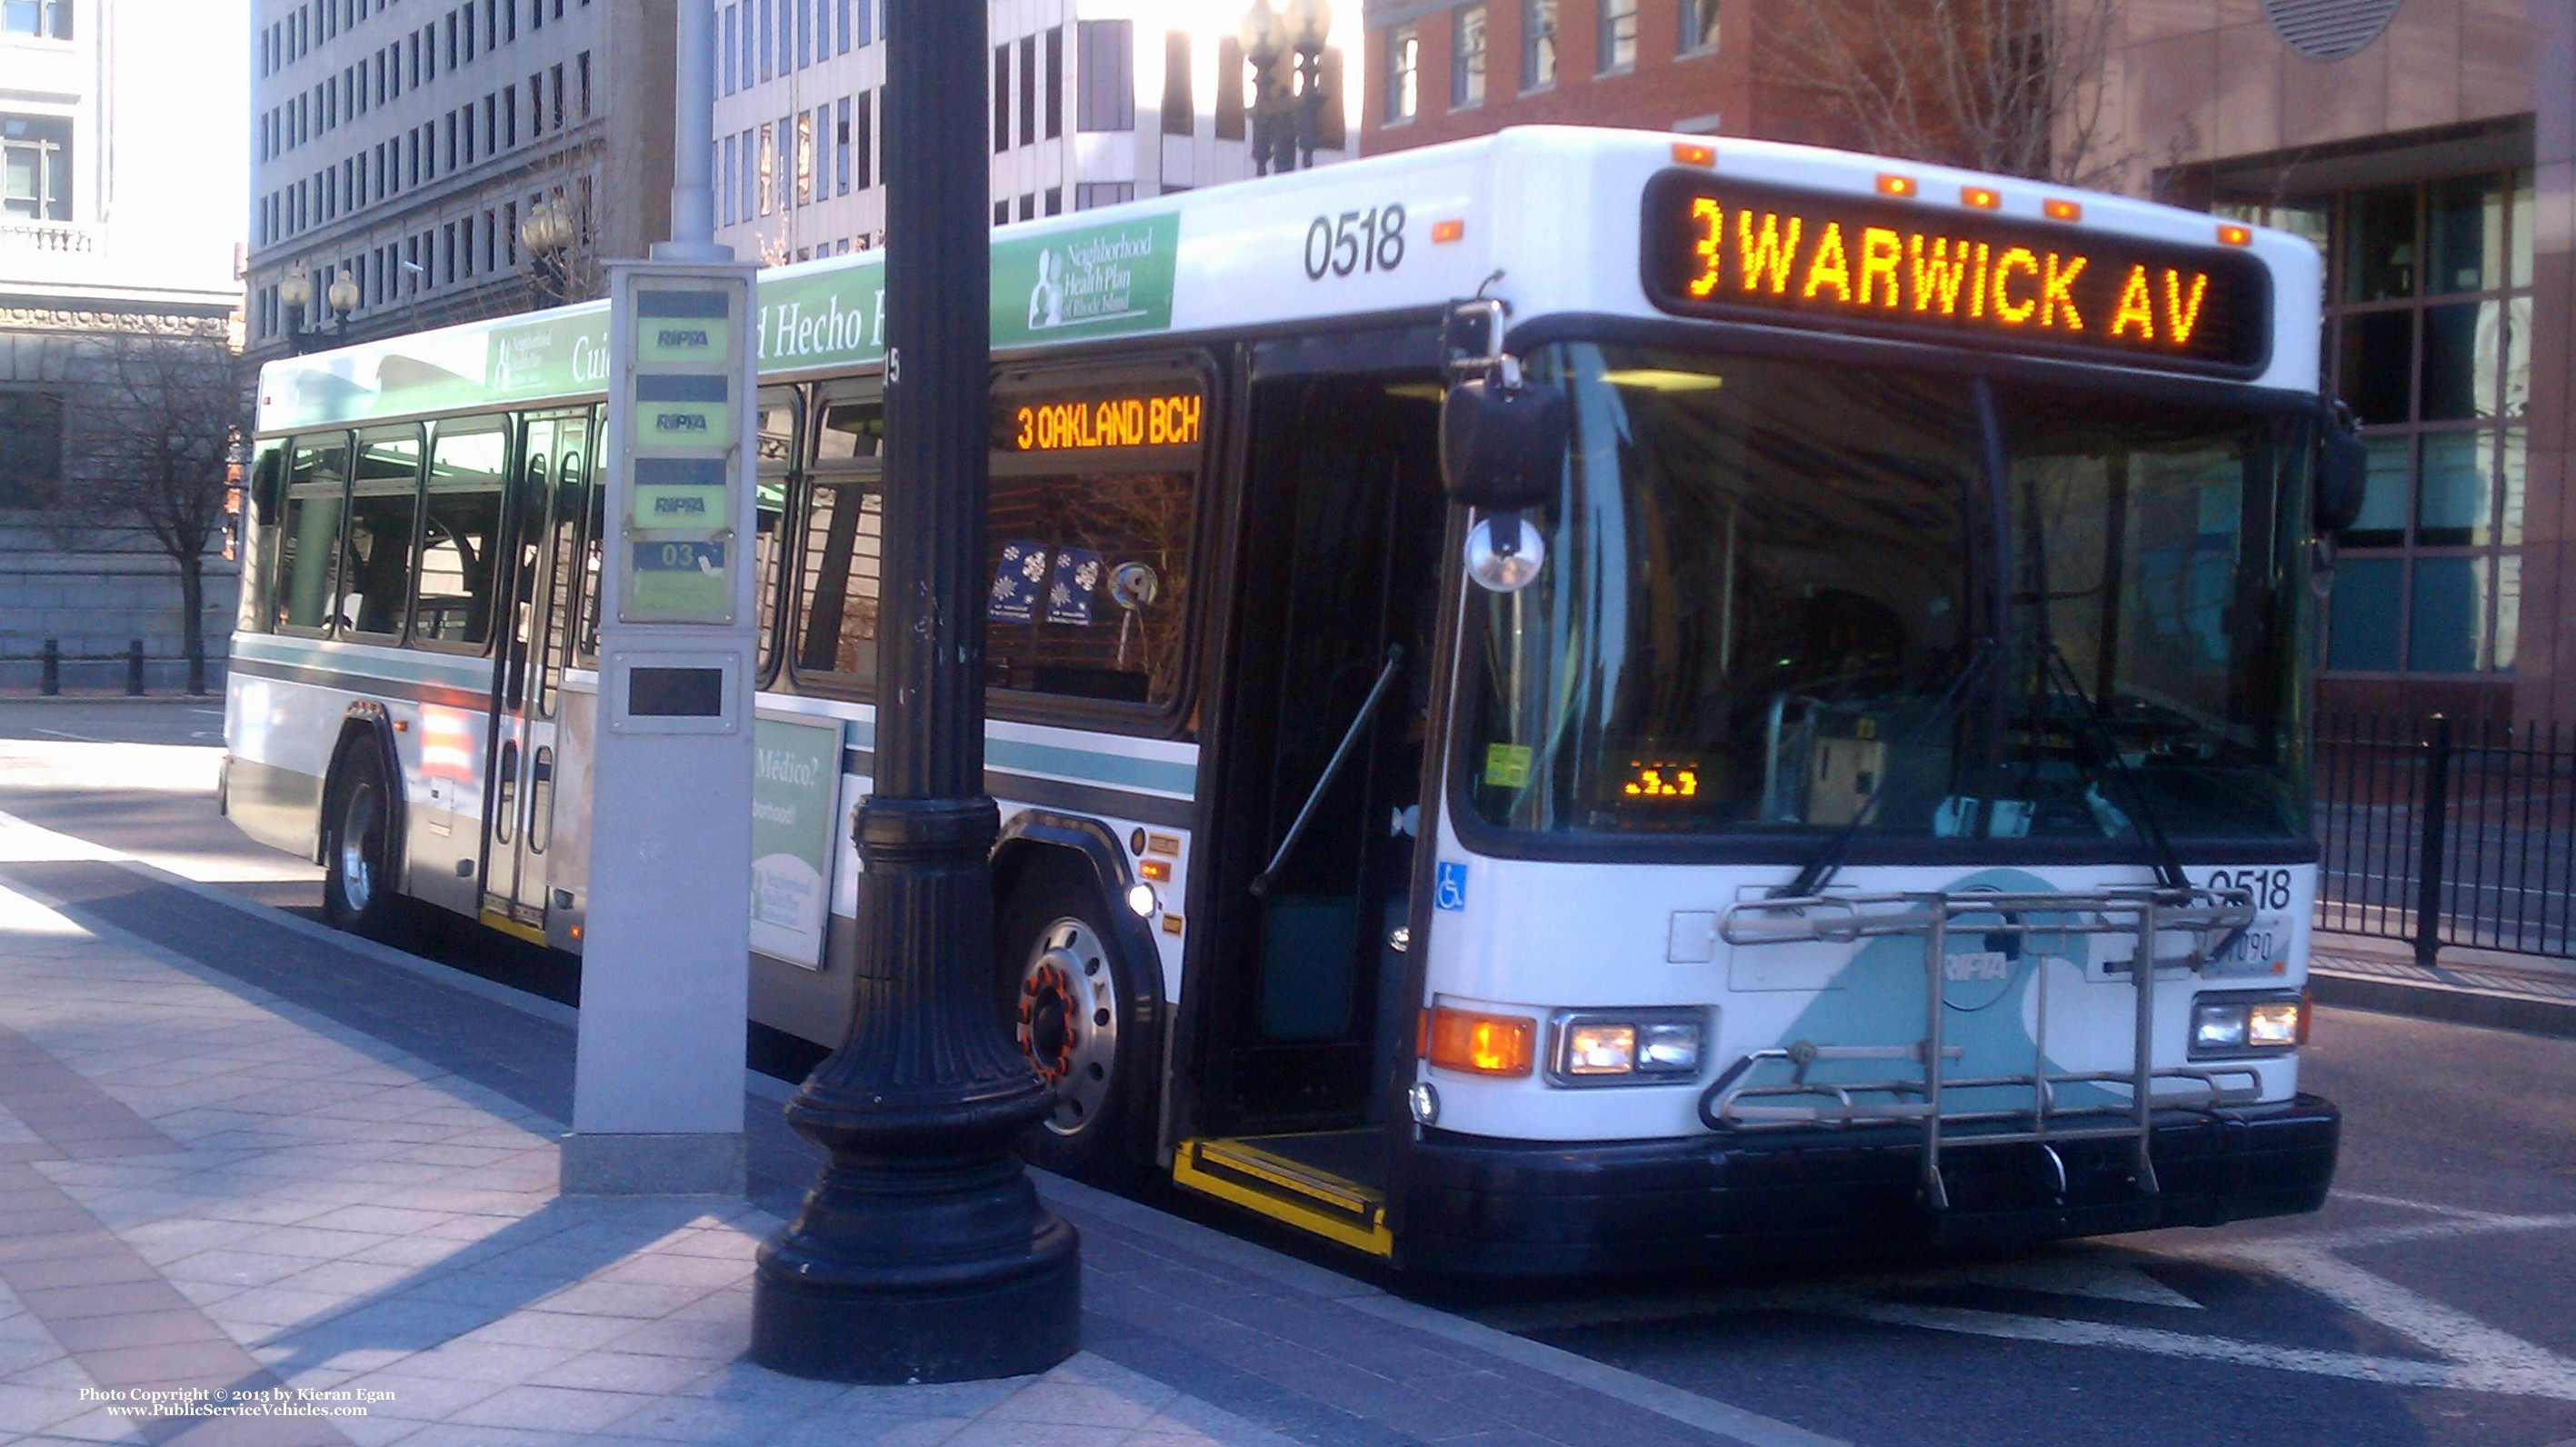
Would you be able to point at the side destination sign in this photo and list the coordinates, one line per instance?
(1720, 249)
(1111, 279)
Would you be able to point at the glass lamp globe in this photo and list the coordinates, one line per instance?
(1309, 21)
(297, 289)
(1262, 33)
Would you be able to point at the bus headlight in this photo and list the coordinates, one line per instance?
(1628, 1047)
(2247, 1024)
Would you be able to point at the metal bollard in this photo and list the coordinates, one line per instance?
(2431, 827)
(197, 670)
(134, 668)
(52, 684)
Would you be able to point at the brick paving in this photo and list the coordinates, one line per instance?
(240, 1154)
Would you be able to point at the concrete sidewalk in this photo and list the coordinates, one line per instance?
(2534, 993)
(249, 1165)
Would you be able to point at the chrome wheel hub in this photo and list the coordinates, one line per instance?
(1068, 1021)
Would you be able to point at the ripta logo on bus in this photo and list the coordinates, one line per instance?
(679, 422)
(2015, 283)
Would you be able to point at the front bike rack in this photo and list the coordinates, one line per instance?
(2206, 918)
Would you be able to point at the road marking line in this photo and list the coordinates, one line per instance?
(2352, 1366)
(76, 738)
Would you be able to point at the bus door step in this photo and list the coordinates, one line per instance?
(1260, 1174)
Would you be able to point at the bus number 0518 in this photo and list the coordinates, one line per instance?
(1371, 240)
(2270, 887)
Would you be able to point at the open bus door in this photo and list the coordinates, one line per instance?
(1323, 739)
(543, 558)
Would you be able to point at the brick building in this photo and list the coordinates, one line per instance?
(2427, 146)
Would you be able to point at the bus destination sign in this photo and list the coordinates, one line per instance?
(1088, 422)
(1720, 249)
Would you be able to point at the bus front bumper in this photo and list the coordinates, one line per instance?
(1478, 1206)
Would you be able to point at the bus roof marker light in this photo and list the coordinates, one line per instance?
(2231, 234)
(2062, 210)
(1694, 153)
(1984, 198)
(1444, 232)
(1900, 187)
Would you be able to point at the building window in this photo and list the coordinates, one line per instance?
(1466, 57)
(1088, 194)
(732, 46)
(31, 447)
(767, 22)
(862, 143)
(1054, 81)
(1180, 108)
(841, 147)
(1028, 90)
(1105, 88)
(1699, 26)
(36, 168)
(1229, 89)
(1538, 44)
(1001, 213)
(1618, 47)
(1403, 71)
(2429, 317)
(1001, 98)
(49, 18)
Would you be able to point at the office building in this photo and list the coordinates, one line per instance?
(407, 145)
(1093, 102)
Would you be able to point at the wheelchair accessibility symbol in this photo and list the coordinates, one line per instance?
(1451, 891)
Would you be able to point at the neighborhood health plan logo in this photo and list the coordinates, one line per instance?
(1107, 279)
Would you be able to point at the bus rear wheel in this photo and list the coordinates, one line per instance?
(357, 852)
(1074, 1010)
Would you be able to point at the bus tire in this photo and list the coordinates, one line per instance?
(1074, 1009)
(358, 893)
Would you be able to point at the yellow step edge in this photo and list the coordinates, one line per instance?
(514, 928)
(1348, 1214)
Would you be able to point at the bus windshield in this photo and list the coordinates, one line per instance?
(1791, 599)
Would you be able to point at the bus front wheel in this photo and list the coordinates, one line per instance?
(1074, 1009)
(357, 852)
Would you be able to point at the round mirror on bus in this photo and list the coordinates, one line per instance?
(1133, 586)
(1505, 553)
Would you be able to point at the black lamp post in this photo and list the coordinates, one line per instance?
(923, 1254)
(1287, 56)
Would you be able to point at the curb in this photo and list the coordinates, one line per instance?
(2429, 1001)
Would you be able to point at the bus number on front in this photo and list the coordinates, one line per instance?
(1355, 241)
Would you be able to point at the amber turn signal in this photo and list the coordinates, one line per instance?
(1478, 1043)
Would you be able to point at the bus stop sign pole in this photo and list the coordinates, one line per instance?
(922, 1254)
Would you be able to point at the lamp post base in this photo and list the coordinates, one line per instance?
(930, 1300)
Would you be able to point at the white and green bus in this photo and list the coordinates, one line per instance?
(1813, 755)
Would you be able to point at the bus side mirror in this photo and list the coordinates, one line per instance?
(2342, 472)
(1502, 444)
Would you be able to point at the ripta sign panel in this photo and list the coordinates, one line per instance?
(1723, 250)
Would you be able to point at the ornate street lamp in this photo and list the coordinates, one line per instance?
(547, 233)
(923, 1253)
(1286, 52)
(343, 298)
(295, 293)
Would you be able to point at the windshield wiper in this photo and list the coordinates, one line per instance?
(1829, 860)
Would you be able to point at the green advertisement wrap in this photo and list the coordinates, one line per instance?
(795, 783)
(1070, 284)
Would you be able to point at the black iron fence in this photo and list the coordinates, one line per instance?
(2448, 833)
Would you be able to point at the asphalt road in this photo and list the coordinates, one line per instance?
(2428, 1304)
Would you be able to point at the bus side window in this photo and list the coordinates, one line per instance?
(308, 533)
(384, 502)
(1090, 589)
(842, 547)
(460, 535)
(585, 639)
(776, 417)
(256, 539)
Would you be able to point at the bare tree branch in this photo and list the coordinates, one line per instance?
(2016, 87)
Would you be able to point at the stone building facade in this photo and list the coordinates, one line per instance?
(115, 225)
